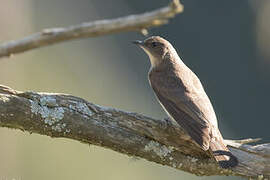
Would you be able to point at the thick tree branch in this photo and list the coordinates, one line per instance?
(160, 141)
(138, 22)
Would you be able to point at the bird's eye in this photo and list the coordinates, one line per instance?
(154, 44)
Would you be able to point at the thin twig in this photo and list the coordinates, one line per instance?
(138, 22)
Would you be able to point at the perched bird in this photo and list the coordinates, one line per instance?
(182, 96)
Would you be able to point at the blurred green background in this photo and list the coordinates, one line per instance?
(224, 42)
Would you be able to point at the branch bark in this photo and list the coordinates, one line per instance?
(160, 141)
(138, 22)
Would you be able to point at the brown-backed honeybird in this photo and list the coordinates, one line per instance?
(182, 96)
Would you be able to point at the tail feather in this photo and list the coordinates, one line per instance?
(222, 154)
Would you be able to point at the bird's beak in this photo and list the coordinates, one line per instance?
(137, 42)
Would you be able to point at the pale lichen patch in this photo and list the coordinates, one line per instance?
(48, 101)
(80, 107)
(161, 150)
(4, 99)
(192, 159)
(34, 107)
(104, 109)
(46, 106)
(58, 127)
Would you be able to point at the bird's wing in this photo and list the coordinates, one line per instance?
(187, 109)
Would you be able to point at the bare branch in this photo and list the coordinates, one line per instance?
(160, 141)
(138, 22)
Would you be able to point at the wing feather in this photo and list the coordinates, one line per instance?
(199, 132)
(187, 104)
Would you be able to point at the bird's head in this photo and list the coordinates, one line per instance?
(157, 48)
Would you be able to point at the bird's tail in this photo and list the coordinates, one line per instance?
(222, 154)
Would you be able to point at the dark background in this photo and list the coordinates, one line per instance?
(224, 42)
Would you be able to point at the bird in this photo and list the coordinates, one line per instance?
(182, 96)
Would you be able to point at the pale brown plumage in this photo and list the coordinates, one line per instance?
(182, 96)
